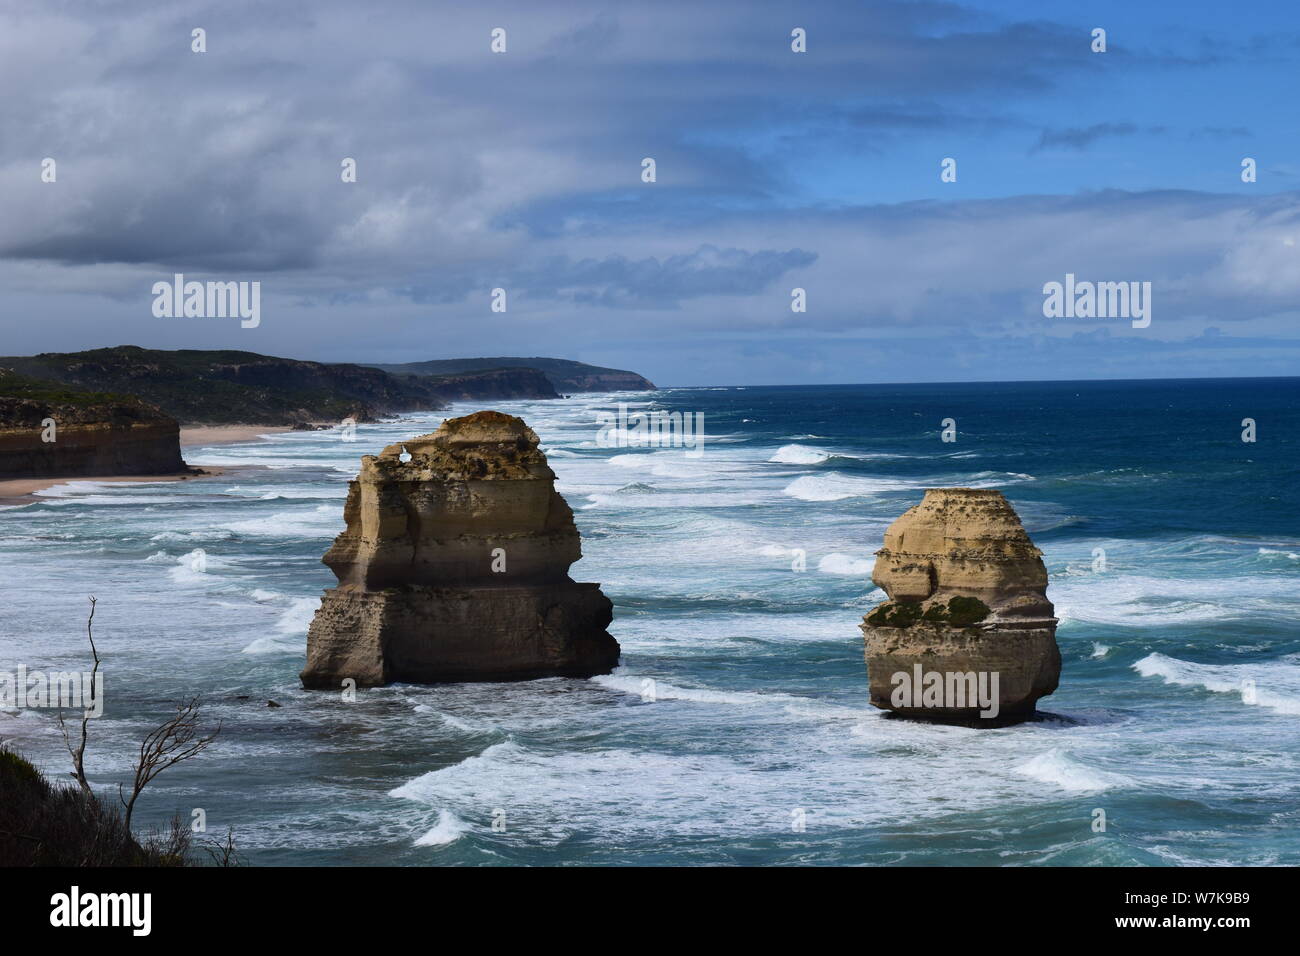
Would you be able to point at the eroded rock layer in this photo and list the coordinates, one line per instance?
(454, 566)
(967, 602)
(85, 438)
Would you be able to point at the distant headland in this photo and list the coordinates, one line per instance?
(118, 411)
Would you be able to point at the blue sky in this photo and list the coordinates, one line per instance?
(775, 170)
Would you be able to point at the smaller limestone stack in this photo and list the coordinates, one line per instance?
(967, 595)
(454, 566)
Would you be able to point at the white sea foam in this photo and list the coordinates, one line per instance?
(845, 564)
(670, 501)
(82, 487)
(1273, 552)
(323, 521)
(196, 568)
(800, 455)
(448, 829)
(808, 455)
(645, 687)
(836, 487)
(1274, 685)
(1068, 773)
(671, 463)
(994, 479)
(206, 534)
(1139, 600)
(288, 630)
(1099, 650)
(744, 784)
(297, 617)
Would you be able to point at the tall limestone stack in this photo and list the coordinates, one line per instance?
(967, 596)
(454, 566)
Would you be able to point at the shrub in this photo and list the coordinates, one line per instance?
(895, 614)
(965, 611)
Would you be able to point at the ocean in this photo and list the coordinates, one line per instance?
(737, 728)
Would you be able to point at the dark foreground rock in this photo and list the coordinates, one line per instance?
(454, 566)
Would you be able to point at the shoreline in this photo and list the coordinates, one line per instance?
(198, 436)
(16, 492)
(22, 491)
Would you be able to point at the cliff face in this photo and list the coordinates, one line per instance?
(225, 387)
(491, 384)
(564, 375)
(967, 595)
(94, 435)
(229, 387)
(454, 567)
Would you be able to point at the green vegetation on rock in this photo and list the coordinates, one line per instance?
(959, 612)
(965, 611)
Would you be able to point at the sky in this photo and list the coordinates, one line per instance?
(775, 170)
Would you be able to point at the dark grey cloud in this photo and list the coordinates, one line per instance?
(522, 171)
(228, 160)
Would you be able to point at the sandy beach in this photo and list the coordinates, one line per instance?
(22, 491)
(192, 435)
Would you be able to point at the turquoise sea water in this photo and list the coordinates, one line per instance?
(759, 746)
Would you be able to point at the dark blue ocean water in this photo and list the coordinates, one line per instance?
(1179, 698)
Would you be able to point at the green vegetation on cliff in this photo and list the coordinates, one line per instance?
(44, 824)
(564, 374)
(15, 386)
(225, 387)
(233, 387)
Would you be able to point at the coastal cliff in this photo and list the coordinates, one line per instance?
(564, 375)
(453, 566)
(227, 387)
(494, 383)
(47, 431)
(967, 596)
(230, 387)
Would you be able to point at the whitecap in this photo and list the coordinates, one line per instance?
(1060, 769)
(448, 829)
(1273, 552)
(845, 564)
(1275, 684)
(800, 455)
(289, 629)
(836, 487)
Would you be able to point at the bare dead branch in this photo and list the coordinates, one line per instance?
(223, 853)
(78, 753)
(175, 740)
